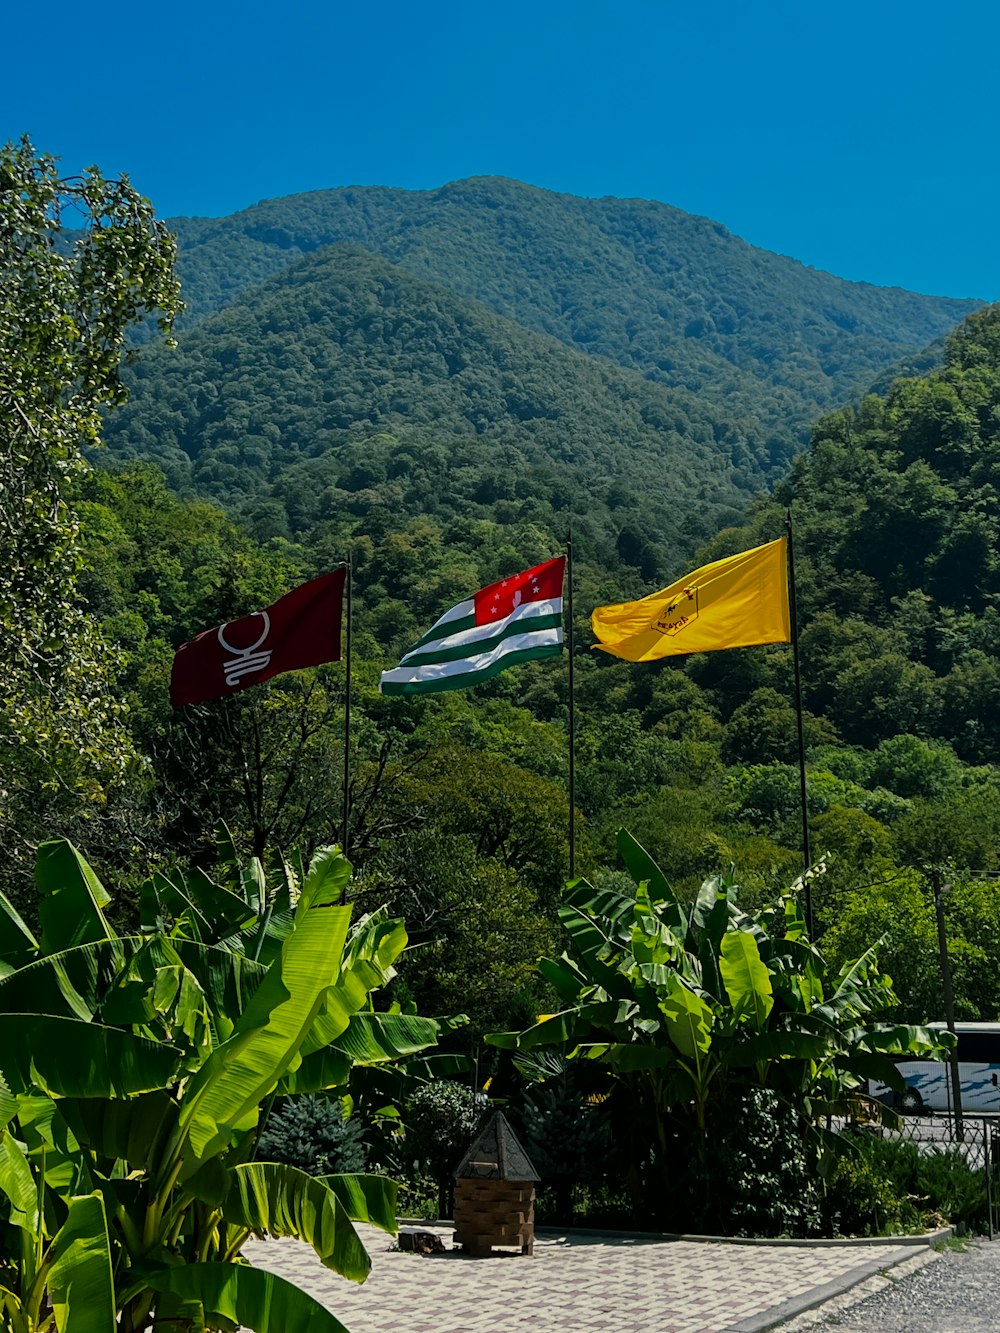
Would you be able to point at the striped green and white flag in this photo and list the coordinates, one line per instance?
(515, 620)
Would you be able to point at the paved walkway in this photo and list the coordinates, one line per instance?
(580, 1284)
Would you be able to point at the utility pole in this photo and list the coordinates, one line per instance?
(940, 890)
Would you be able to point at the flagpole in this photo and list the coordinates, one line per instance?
(806, 853)
(345, 835)
(572, 706)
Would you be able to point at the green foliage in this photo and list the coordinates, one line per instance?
(144, 1099)
(760, 1178)
(883, 1186)
(567, 1136)
(441, 1120)
(310, 1132)
(691, 1007)
(671, 297)
(66, 307)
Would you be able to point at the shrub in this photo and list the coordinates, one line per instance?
(310, 1132)
(761, 1177)
(441, 1119)
(880, 1186)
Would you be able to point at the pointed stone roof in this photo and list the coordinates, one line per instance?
(497, 1155)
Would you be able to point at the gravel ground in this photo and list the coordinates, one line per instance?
(959, 1292)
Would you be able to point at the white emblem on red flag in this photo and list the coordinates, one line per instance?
(245, 660)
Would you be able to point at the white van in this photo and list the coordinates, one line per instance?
(928, 1082)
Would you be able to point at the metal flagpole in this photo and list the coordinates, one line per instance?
(572, 706)
(345, 830)
(806, 853)
(940, 889)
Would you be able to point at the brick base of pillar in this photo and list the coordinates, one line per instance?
(492, 1213)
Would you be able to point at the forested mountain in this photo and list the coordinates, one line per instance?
(445, 411)
(345, 386)
(672, 296)
(461, 798)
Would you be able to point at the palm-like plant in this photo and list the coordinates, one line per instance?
(687, 1004)
(134, 1069)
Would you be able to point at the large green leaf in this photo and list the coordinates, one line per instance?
(373, 1038)
(268, 1037)
(563, 976)
(641, 866)
(277, 1200)
(747, 980)
(72, 982)
(133, 1130)
(927, 1043)
(72, 898)
(8, 1103)
(327, 878)
(778, 1046)
(593, 947)
(246, 1297)
(18, 1184)
(80, 1279)
(318, 1072)
(17, 944)
(709, 915)
(688, 1019)
(69, 1058)
(366, 1199)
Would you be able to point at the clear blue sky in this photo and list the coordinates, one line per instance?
(861, 138)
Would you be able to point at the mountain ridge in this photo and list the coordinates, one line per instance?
(673, 296)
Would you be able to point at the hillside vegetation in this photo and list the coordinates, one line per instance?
(674, 297)
(461, 809)
(345, 386)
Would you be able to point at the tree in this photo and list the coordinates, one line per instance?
(81, 261)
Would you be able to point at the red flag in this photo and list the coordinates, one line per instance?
(301, 629)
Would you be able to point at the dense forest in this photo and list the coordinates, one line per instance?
(328, 400)
(460, 801)
(673, 297)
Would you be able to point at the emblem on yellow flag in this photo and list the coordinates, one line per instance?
(731, 603)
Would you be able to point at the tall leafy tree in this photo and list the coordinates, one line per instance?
(81, 261)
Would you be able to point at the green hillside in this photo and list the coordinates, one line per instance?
(462, 797)
(675, 297)
(345, 386)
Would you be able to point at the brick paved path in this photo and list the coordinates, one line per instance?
(577, 1284)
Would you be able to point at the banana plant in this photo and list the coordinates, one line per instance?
(151, 1056)
(683, 1002)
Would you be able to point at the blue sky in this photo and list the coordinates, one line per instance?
(860, 138)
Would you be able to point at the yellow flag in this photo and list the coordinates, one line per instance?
(730, 603)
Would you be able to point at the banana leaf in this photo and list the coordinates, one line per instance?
(18, 1184)
(746, 979)
(373, 1038)
(642, 867)
(247, 1297)
(133, 1130)
(318, 1071)
(267, 1038)
(17, 944)
(72, 982)
(52, 1146)
(72, 898)
(688, 1019)
(366, 1199)
(80, 1281)
(68, 1058)
(273, 1199)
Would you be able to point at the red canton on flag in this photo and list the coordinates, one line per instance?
(499, 600)
(516, 619)
(301, 629)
